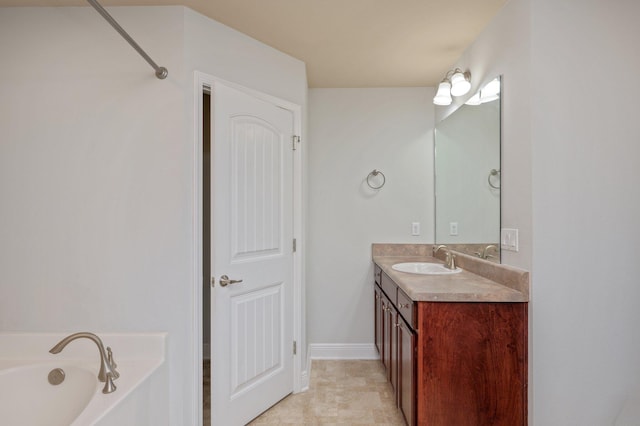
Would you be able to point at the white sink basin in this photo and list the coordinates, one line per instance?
(424, 268)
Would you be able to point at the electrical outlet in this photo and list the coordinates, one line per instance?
(453, 228)
(415, 228)
(509, 239)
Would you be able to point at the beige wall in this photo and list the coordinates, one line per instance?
(97, 167)
(586, 205)
(352, 132)
(570, 170)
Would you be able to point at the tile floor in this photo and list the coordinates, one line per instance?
(342, 392)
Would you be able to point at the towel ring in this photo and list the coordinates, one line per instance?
(376, 172)
(493, 172)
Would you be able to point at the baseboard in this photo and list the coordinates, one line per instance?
(342, 351)
(304, 380)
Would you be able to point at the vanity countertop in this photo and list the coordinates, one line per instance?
(465, 286)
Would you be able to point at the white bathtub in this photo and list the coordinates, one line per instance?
(27, 397)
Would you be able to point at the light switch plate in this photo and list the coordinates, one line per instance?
(509, 239)
(415, 228)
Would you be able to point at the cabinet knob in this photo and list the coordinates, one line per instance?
(403, 305)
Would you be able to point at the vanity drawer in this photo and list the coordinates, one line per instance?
(389, 287)
(406, 308)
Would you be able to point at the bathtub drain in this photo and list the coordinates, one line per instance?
(56, 376)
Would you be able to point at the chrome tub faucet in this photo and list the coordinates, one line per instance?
(108, 372)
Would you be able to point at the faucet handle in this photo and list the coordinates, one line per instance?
(112, 363)
(451, 261)
(109, 386)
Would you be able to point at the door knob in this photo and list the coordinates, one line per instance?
(225, 281)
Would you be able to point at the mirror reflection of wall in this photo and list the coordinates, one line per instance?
(467, 178)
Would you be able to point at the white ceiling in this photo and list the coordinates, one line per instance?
(347, 43)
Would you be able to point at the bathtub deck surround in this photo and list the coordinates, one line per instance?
(454, 346)
(78, 399)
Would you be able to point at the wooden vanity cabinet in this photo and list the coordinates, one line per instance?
(406, 389)
(378, 313)
(453, 363)
(397, 345)
(472, 364)
(389, 345)
(386, 336)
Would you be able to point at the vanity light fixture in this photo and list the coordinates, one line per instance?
(474, 100)
(490, 92)
(460, 82)
(443, 96)
(455, 83)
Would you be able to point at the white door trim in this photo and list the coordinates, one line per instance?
(202, 80)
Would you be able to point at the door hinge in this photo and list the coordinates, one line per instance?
(295, 245)
(295, 347)
(296, 139)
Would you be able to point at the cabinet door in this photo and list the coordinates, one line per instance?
(393, 344)
(386, 334)
(406, 372)
(472, 364)
(378, 314)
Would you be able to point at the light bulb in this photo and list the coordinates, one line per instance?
(492, 88)
(474, 100)
(491, 91)
(460, 84)
(443, 95)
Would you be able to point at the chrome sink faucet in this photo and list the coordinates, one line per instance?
(450, 259)
(107, 373)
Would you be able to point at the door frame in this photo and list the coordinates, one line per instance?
(204, 81)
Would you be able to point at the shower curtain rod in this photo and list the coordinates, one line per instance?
(161, 72)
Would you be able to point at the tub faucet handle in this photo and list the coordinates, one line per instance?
(109, 386)
(112, 363)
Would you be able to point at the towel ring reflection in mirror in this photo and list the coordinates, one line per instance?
(374, 174)
(494, 172)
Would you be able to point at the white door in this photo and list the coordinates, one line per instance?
(252, 235)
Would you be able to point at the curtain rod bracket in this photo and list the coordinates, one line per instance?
(162, 73)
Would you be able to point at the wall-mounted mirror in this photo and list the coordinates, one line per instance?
(467, 176)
